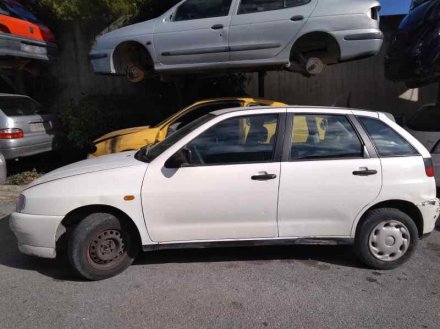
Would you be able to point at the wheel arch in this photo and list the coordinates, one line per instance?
(313, 36)
(406, 207)
(123, 53)
(74, 217)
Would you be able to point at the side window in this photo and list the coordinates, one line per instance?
(388, 142)
(324, 136)
(197, 9)
(256, 6)
(198, 112)
(248, 139)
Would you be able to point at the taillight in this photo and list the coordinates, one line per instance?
(11, 133)
(429, 167)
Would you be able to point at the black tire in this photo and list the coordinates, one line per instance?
(101, 246)
(365, 248)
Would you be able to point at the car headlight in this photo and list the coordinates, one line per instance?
(21, 204)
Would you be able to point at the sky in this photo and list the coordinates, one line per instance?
(395, 7)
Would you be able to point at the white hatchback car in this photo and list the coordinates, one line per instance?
(240, 177)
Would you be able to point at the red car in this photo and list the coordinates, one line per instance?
(22, 34)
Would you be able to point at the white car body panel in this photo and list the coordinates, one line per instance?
(222, 203)
(246, 40)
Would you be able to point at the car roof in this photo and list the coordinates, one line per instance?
(298, 107)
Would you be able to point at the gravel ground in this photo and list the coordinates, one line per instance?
(265, 287)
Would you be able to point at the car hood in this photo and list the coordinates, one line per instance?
(108, 162)
(142, 28)
(119, 133)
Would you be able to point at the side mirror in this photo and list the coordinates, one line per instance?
(180, 159)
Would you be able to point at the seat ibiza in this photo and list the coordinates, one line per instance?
(236, 177)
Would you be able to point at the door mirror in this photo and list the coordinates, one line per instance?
(180, 159)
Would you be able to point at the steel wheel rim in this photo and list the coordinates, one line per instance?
(107, 248)
(389, 240)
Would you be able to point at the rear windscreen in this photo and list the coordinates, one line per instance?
(19, 106)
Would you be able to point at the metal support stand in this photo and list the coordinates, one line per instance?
(261, 83)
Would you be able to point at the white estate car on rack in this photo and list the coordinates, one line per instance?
(197, 35)
(240, 176)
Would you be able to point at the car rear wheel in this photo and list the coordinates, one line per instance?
(386, 238)
(101, 246)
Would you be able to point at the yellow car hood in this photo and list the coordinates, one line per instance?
(119, 133)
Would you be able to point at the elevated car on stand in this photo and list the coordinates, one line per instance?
(414, 54)
(23, 35)
(297, 35)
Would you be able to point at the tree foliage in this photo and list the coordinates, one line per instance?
(89, 9)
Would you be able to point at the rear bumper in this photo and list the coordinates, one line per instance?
(15, 46)
(36, 234)
(430, 211)
(20, 148)
(359, 43)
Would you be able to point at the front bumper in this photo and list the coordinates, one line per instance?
(15, 46)
(36, 234)
(101, 61)
(430, 211)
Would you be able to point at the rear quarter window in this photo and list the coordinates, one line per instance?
(387, 141)
(19, 106)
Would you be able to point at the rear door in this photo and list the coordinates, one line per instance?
(262, 28)
(329, 175)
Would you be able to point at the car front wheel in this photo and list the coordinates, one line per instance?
(101, 246)
(386, 238)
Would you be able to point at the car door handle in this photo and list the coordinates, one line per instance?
(297, 18)
(365, 172)
(264, 176)
(217, 27)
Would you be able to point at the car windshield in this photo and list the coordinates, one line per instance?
(19, 11)
(149, 154)
(19, 106)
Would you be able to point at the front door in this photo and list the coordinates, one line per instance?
(229, 190)
(328, 178)
(263, 28)
(197, 32)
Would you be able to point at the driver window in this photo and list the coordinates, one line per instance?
(248, 139)
(198, 9)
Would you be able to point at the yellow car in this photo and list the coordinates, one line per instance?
(136, 138)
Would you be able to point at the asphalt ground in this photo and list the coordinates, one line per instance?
(259, 287)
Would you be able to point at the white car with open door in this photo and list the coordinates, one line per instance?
(240, 176)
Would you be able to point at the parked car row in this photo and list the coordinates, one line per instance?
(263, 175)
